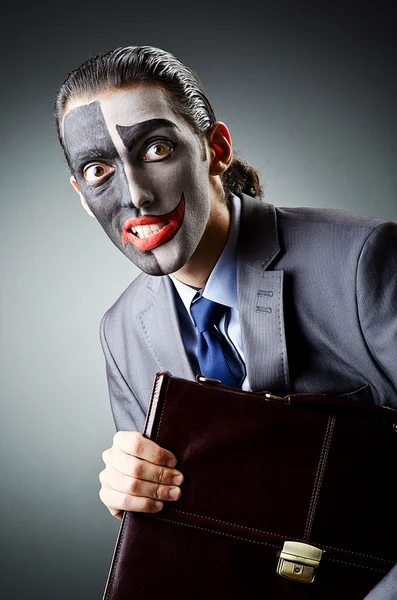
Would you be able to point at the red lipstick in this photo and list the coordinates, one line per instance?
(172, 222)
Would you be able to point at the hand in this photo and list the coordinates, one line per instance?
(139, 475)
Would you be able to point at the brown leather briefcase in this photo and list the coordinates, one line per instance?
(284, 498)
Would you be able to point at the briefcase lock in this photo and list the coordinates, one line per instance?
(299, 562)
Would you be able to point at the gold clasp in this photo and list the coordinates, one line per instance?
(299, 561)
(208, 380)
(270, 396)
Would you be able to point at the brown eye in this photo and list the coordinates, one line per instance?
(96, 172)
(158, 151)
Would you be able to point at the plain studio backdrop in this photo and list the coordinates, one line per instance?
(308, 92)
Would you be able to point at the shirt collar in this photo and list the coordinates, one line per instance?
(222, 283)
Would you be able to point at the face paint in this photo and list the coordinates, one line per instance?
(163, 228)
(141, 170)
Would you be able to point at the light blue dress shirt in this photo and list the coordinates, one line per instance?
(221, 287)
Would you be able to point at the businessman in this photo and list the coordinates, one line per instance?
(290, 300)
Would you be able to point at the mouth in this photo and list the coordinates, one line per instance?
(150, 231)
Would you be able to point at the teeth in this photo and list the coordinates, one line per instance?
(145, 231)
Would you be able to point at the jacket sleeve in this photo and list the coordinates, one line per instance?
(377, 308)
(127, 412)
(386, 588)
(377, 297)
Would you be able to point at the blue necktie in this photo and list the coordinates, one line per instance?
(216, 358)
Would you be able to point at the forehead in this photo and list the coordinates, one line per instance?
(127, 106)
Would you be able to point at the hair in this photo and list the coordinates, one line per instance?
(123, 66)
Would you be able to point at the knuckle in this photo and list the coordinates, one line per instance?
(137, 442)
(137, 467)
(148, 505)
(123, 502)
(132, 486)
(158, 492)
(118, 436)
(101, 476)
(105, 455)
(161, 474)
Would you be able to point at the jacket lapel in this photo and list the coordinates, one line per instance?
(160, 328)
(260, 297)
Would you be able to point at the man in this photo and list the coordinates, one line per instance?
(307, 296)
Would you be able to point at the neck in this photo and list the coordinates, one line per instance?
(198, 269)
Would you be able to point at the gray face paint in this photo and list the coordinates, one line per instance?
(138, 165)
(132, 134)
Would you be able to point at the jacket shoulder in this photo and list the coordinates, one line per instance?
(331, 216)
(328, 233)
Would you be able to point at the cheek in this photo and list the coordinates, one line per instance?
(195, 184)
(196, 218)
(167, 182)
(173, 255)
(187, 172)
(104, 201)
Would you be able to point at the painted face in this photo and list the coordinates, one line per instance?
(143, 174)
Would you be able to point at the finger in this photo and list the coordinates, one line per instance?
(116, 501)
(142, 469)
(114, 480)
(135, 444)
(118, 514)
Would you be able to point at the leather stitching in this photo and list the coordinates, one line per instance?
(116, 557)
(275, 534)
(319, 476)
(260, 542)
(163, 409)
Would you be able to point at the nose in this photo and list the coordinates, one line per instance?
(138, 192)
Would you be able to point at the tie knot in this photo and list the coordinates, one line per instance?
(206, 313)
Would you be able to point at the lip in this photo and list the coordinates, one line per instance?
(174, 220)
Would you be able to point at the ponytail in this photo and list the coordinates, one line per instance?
(240, 178)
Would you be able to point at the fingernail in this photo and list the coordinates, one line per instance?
(171, 462)
(177, 480)
(158, 505)
(174, 493)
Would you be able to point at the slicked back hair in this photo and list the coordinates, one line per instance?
(122, 67)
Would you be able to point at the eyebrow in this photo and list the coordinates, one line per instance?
(132, 134)
(80, 158)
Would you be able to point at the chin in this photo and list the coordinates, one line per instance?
(157, 270)
(148, 264)
(154, 271)
(162, 260)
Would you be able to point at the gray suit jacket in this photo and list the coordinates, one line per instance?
(317, 292)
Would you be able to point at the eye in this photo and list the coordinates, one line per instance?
(97, 172)
(158, 151)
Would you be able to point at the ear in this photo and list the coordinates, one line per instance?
(83, 201)
(220, 146)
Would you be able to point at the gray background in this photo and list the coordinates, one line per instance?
(308, 91)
